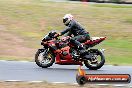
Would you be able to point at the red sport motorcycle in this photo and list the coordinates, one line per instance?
(60, 51)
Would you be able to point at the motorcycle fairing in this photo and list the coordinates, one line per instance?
(94, 41)
(67, 58)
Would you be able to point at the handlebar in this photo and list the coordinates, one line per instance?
(56, 35)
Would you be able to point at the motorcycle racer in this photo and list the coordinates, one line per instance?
(79, 33)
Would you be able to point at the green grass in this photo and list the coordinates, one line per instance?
(128, 20)
(118, 43)
(117, 59)
(112, 6)
(32, 19)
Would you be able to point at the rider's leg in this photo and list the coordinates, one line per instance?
(76, 42)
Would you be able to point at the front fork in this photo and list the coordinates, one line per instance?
(43, 50)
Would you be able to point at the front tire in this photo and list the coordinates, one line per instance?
(98, 65)
(41, 56)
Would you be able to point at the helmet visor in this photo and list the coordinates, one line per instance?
(64, 20)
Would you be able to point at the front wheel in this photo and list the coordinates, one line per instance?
(44, 58)
(96, 61)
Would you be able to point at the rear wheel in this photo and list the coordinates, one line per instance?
(44, 58)
(96, 61)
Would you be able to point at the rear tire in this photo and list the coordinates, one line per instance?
(39, 63)
(98, 66)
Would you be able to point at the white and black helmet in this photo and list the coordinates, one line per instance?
(67, 18)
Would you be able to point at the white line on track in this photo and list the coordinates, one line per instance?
(36, 81)
(117, 85)
(13, 81)
(102, 84)
(58, 82)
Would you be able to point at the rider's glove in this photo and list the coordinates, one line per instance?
(57, 35)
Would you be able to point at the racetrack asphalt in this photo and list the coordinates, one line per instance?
(29, 71)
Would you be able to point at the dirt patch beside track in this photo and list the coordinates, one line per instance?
(45, 85)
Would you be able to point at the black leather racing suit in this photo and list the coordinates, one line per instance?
(80, 34)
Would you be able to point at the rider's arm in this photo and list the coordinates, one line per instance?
(65, 31)
(68, 34)
(68, 28)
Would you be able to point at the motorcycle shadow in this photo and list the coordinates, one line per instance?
(70, 69)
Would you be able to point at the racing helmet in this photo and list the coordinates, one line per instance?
(67, 18)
